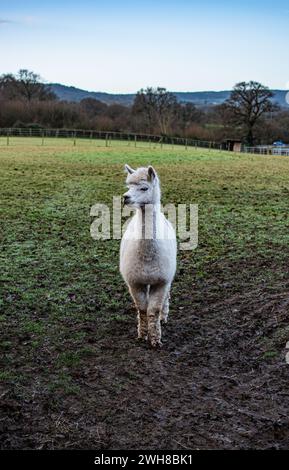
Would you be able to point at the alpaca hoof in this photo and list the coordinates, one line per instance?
(156, 344)
(142, 338)
(164, 316)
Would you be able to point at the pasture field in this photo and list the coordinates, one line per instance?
(72, 374)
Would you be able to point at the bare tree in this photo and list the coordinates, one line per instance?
(187, 114)
(25, 85)
(247, 103)
(7, 87)
(158, 105)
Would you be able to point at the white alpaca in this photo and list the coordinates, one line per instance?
(148, 253)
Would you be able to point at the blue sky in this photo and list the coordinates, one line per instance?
(121, 46)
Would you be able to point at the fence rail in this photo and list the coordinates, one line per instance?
(268, 150)
(133, 139)
(107, 136)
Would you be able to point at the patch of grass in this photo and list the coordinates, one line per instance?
(6, 376)
(73, 358)
(279, 337)
(34, 327)
(64, 384)
(5, 344)
(270, 354)
(118, 318)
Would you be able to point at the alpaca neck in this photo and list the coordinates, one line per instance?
(148, 216)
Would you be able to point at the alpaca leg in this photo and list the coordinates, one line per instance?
(139, 295)
(165, 309)
(157, 296)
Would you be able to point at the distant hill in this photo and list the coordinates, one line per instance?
(70, 93)
(198, 98)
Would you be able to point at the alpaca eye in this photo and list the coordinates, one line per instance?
(144, 189)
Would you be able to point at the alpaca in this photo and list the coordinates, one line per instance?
(148, 253)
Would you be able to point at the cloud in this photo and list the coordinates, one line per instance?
(5, 21)
(23, 20)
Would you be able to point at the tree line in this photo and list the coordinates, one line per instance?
(249, 114)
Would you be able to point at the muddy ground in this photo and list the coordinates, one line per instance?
(213, 385)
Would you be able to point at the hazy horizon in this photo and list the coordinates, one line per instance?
(134, 92)
(121, 47)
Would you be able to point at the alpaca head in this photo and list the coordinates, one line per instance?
(143, 187)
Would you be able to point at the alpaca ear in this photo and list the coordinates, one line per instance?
(151, 173)
(128, 169)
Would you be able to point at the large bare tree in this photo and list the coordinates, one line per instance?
(247, 103)
(157, 105)
(25, 85)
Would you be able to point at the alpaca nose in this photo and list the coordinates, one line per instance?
(126, 199)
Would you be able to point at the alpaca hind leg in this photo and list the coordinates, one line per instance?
(140, 297)
(165, 309)
(157, 296)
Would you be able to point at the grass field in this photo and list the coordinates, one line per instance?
(72, 374)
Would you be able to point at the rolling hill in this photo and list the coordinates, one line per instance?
(198, 98)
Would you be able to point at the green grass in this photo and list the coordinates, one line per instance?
(55, 278)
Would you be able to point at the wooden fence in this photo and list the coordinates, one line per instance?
(107, 136)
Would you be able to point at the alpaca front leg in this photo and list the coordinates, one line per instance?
(142, 326)
(157, 296)
(139, 295)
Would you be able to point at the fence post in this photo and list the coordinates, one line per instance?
(74, 139)
(42, 141)
(186, 144)
(135, 139)
(106, 140)
(7, 137)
